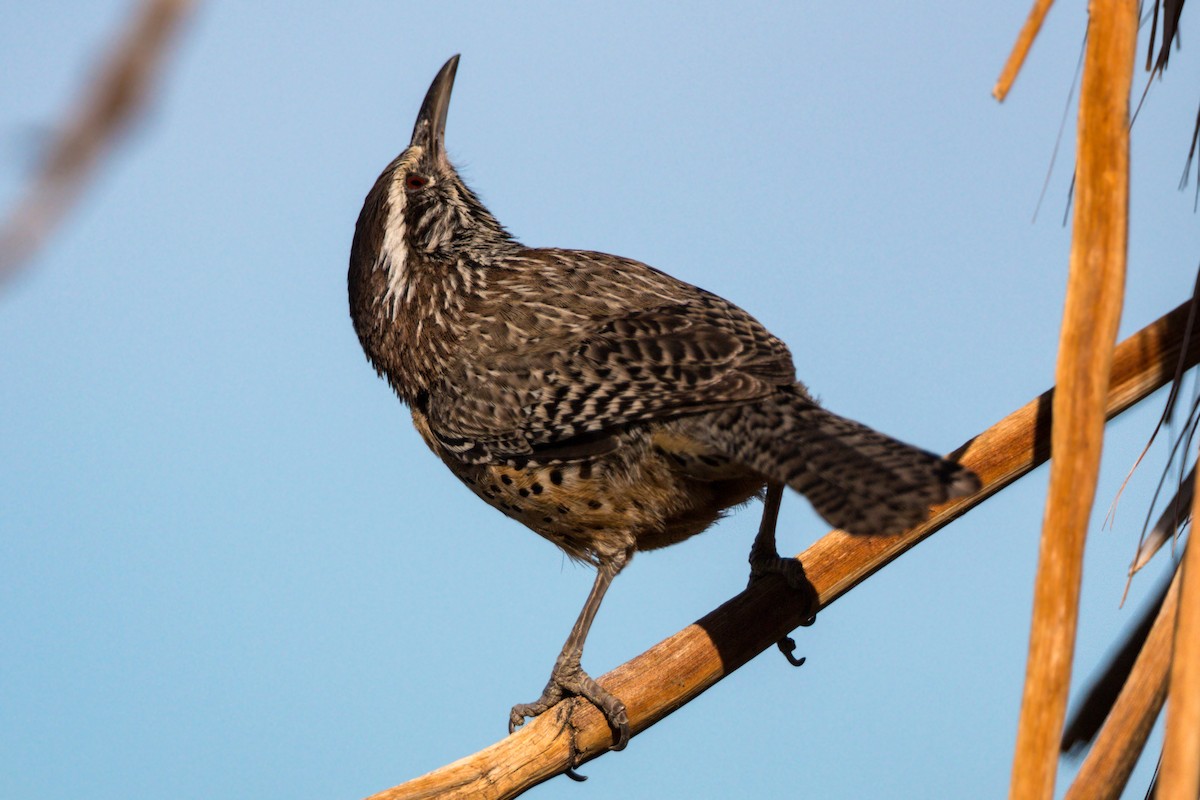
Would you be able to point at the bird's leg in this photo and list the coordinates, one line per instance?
(765, 560)
(568, 677)
(764, 557)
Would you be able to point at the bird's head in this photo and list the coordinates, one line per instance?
(419, 208)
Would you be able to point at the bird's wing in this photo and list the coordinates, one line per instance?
(565, 399)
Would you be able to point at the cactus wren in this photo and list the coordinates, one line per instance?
(607, 406)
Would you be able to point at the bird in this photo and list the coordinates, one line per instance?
(607, 406)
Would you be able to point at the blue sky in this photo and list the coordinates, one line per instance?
(228, 566)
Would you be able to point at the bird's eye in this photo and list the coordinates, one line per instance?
(416, 182)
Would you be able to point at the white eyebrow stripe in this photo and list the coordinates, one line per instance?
(393, 254)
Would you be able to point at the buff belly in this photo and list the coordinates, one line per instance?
(657, 488)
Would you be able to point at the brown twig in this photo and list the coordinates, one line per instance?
(1095, 287)
(1029, 32)
(683, 666)
(109, 106)
(1109, 763)
(1180, 773)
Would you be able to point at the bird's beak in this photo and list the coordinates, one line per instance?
(430, 130)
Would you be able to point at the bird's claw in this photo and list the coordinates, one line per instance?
(570, 680)
(522, 711)
(787, 646)
(792, 571)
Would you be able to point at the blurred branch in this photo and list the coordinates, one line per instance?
(683, 666)
(1109, 763)
(1097, 701)
(1029, 32)
(1095, 289)
(112, 102)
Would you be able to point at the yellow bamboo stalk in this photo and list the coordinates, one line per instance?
(1095, 288)
(1179, 776)
(685, 665)
(1029, 32)
(1106, 770)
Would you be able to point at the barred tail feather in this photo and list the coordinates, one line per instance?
(856, 478)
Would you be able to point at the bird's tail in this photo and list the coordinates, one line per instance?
(858, 479)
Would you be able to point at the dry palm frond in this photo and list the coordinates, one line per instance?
(1169, 11)
(1029, 32)
(1095, 290)
(1130, 714)
(1179, 771)
(1177, 514)
(1094, 706)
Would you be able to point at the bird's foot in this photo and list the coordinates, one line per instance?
(569, 680)
(764, 564)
